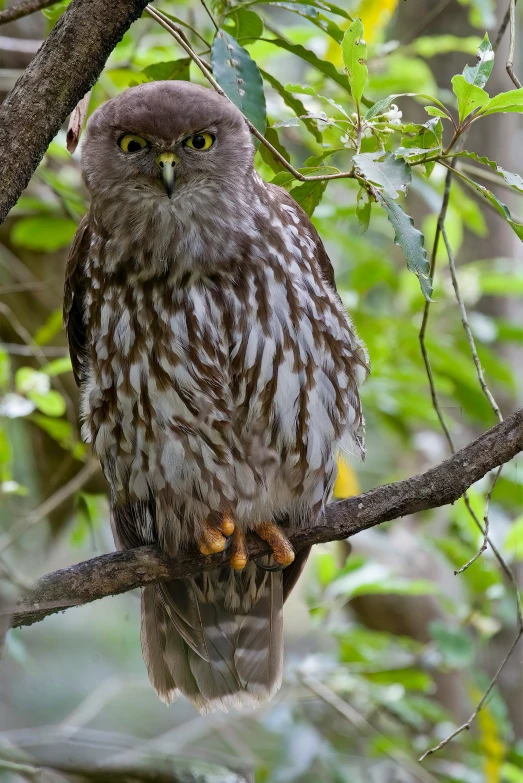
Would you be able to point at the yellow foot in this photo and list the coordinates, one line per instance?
(282, 550)
(214, 537)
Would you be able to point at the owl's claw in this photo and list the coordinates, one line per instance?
(282, 550)
(281, 547)
(214, 538)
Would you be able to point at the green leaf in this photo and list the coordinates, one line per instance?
(408, 677)
(514, 180)
(469, 96)
(391, 173)
(505, 102)
(326, 5)
(410, 240)
(433, 111)
(514, 539)
(58, 366)
(455, 646)
(49, 329)
(431, 45)
(381, 106)
(167, 71)
(247, 24)
(479, 73)
(313, 15)
(43, 234)
(59, 430)
(309, 194)
(324, 66)
(293, 103)
(239, 77)
(50, 404)
(355, 58)
(498, 205)
(272, 137)
(363, 210)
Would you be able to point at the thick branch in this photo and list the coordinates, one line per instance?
(123, 571)
(24, 8)
(65, 68)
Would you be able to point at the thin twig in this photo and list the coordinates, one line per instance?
(464, 320)
(512, 44)
(49, 505)
(362, 725)
(466, 726)
(424, 322)
(211, 17)
(25, 8)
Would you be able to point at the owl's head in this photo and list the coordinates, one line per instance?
(165, 140)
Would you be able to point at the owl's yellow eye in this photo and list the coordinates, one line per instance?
(200, 141)
(132, 143)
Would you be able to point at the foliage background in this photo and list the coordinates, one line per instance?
(386, 651)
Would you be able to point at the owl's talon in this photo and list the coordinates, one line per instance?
(238, 550)
(281, 547)
(211, 540)
(227, 526)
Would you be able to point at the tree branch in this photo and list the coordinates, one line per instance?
(122, 571)
(64, 69)
(24, 8)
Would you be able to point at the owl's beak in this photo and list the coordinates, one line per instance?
(167, 163)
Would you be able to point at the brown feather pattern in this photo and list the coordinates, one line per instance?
(219, 373)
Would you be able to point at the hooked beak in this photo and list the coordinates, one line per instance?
(167, 162)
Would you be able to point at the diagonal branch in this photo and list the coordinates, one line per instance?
(24, 8)
(122, 571)
(65, 68)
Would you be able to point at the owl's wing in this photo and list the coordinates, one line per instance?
(74, 292)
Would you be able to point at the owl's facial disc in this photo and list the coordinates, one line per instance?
(167, 163)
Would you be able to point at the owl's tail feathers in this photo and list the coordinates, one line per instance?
(216, 657)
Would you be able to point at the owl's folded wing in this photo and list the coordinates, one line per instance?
(74, 292)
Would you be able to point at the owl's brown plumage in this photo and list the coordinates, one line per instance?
(218, 370)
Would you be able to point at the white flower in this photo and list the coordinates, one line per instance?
(394, 115)
(8, 487)
(345, 140)
(14, 405)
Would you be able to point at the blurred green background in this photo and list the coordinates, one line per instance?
(386, 651)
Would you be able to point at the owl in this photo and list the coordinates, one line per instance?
(218, 373)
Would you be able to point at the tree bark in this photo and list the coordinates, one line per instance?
(65, 68)
(122, 571)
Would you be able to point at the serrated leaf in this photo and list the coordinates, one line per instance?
(479, 73)
(312, 14)
(354, 51)
(324, 66)
(170, 70)
(293, 103)
(505, 102)
(469, 96)
(410, 240)
(391, 173)
(239, 77)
